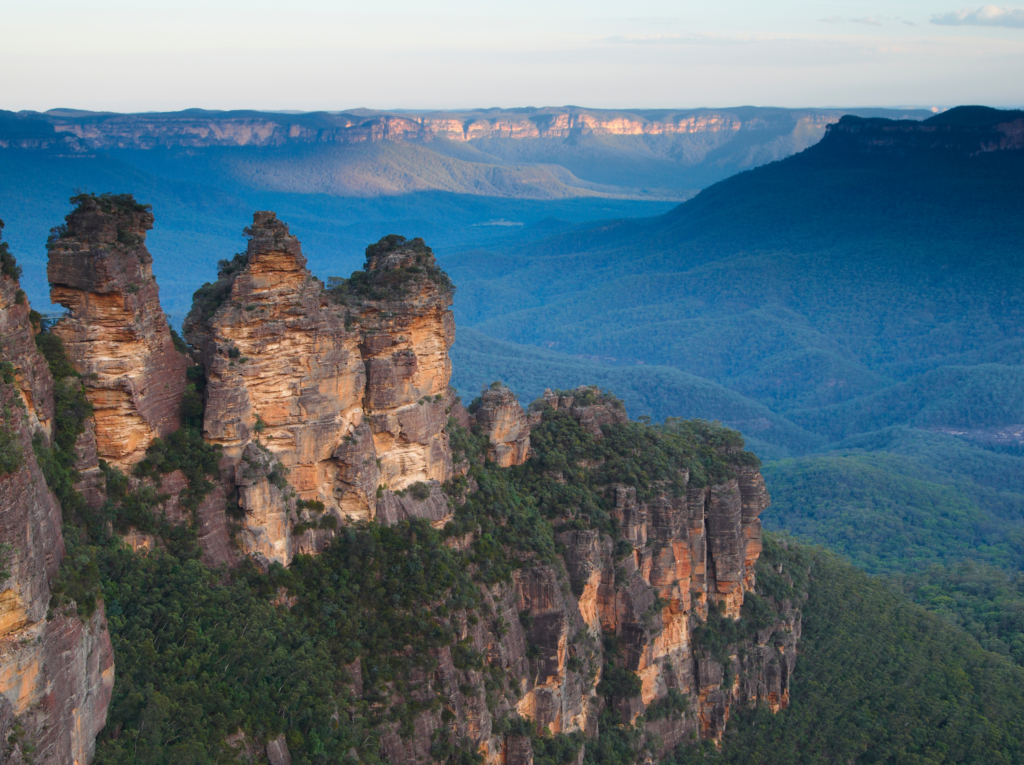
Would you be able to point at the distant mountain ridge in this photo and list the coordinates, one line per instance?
(201, 127)
(534, 153)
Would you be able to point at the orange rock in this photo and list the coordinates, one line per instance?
(115, 332)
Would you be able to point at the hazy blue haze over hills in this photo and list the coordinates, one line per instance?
(460, 180)
(851, 309)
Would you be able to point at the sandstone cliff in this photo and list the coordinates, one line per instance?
(642, 623)
(198, 129)
(56, 671)
(115, 332)
(327, 401)
(500, 417)
(680, 552)
(617, 576)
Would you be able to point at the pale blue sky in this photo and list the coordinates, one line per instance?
(134, 55)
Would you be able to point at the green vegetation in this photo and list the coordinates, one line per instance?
(891, 513)
(212, 295)
(11, 456)
(985, 602)
(515, 508)
(878, 679)
(391, 284)
(8, 265)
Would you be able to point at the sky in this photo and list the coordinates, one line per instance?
(138, 55)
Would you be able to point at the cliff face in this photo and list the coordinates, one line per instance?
(658, 601)
(403, 305)
(683, 555)
(500, 416)
(57, 674)
(326, 400)
(116, 333)
(197, 129)
(332, 405)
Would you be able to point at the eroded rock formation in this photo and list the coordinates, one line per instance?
(56, 674)
(115, 332)
(327, 400)
(683, 555)
(500, 416)
(331, 403)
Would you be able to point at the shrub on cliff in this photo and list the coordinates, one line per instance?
(8, 265)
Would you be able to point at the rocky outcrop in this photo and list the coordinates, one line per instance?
(403, 306)
(56, 672)
(588, 405)
(115, 332)
(501, 418)
(645, 601)
(678, 556)
(284, 388)
(343, 390)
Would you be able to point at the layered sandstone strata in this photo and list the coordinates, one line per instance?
(500, 417)
(327, 400)
(684, 554)
(403, 305)
(187, 129)
(629, 602)
(284, 390)
(56, 674)
(115, 332)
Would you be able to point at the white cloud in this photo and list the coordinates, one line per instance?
(874, 21)
(986, 16)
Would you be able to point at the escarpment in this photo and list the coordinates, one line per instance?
(678, 569)
(328, 400)
(56, 669)
(472, 579)
(115, 332)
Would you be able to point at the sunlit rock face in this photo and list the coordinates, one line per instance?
(56, 674)
(403, 306)
(675, 557)
(344, 390)
(116, 333)
(283, 373)
(500, 416)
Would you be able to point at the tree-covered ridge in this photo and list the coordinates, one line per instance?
(564, 484)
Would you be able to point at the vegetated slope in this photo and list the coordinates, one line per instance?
(985, 601)
(652, 391)
(864, 260)
(892, 513)
(882, 680)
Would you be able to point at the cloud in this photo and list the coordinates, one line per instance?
(656, 39)
(986, 16)
(874, 21)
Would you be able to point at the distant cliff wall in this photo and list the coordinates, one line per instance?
(83, 132)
